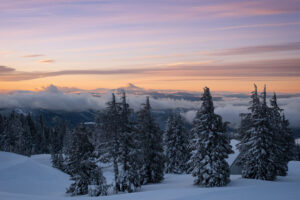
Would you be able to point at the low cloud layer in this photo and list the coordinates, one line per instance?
(257, 49)
(259, 68)
(33, 55)
(53, 98)
(4, 69)
(47, 61)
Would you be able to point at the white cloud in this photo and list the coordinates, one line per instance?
(53, 98)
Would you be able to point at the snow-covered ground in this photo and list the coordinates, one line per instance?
(34, 179)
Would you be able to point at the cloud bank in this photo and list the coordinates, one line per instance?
(259, 68)
(54, 99)
(229, 107)
(257, 49)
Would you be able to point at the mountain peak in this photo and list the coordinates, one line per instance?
(132, 86)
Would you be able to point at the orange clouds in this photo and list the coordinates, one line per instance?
(260, 68)
(32, 55)
(47, 61)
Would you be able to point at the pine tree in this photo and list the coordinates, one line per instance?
(97, 184)
(297, 152)
(289, 141)
(210, 146)
(57, 138)
(2, 125)
(82, 167)
(151, 137)
(258, 148)
(33, 132)
(110, 126)
(11, 139)
(57, 160)
(130, 154)
(176, 142)
(25, 139)
(279, 136)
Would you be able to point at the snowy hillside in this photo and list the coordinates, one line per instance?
(34, 179)
(20, 175)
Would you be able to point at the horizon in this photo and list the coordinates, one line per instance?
(65, 89)
(162, 44)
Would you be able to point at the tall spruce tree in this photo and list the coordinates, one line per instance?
(152, 149)
(210, 146)
(258, 147)
(130, 153)
(279, 136)
(25, 138)
(111, 128)
(33, 132)
(82, 167)
(289, 141)
(176, 141)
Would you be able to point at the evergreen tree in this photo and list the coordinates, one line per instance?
(289, 141)
(33, 132)
(57, 138)
(57, 160)
(210, 146)
(111, 127)
(297, 152)
(279, 136)
(25, 138)
(130, 154)
(97, 184)
(258, 147)
(56, 146)
(151, 137)
(82, 167)
(11, 139)
(2, 124)
(176, 142)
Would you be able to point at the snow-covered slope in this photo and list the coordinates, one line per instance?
(30, 176)
(34, 179)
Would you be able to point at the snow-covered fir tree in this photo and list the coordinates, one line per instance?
(56, 146)
(110, 123)
(176, 141)
(297, 152)
(82, 167)
(25, 139)
(57, 160)
(152, 148)
(258, 148)
(34, 135)
(289, 141)
(279, 136)
(97, 185)
(210, 146)
(44, 133)
(130, 152)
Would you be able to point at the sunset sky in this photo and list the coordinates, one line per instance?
(160, 44)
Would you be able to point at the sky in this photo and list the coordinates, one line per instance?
(160, 44)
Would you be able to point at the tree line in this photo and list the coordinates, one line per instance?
(140, 152)
(23, 135)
